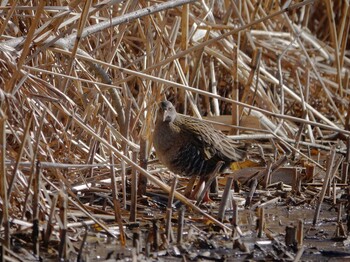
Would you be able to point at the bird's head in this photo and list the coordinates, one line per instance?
(166, 111)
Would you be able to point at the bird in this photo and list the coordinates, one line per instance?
(190, 147)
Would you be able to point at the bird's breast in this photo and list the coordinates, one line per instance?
(164, 138)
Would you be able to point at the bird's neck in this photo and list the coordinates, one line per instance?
(167, 128)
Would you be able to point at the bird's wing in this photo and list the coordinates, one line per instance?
(210, 141)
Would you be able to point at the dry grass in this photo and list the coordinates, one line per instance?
(78, 95)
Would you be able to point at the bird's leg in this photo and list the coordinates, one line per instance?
(214, 187)
(202, 179)
(189, 187)
(204, 195)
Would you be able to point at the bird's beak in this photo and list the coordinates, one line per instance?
(166, 116)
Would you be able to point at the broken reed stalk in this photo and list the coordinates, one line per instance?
(299, 254)
(329, 172)
(236, 231)
(334, 191)
(291, 236)
(253, 185)
(155, 229)
(83, 242)
(225, 197)
(267, 177)
(234, 219)
(136, 239)
(261, 221)
(340, 230)
(180, 224)
(270, 169)
(270, 202)
(49, 225)
(300, 233)
(296, 183)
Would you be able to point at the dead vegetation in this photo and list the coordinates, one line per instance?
(79, 87)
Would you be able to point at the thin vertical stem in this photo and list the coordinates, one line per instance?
(134, 178)
(3, 182)
(36, 196)
(330, 162)
(20, 153)
(116, 202)
(142, 182)
(169, 210)
(49, 226)
(63, 204)
(225, 198)
(34, 157)
(180, 224)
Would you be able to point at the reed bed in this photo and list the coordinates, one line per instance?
(80, 83)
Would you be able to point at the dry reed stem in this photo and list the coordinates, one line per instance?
(326, 183)
(5, 218)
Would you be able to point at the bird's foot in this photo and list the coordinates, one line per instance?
(207, 199)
